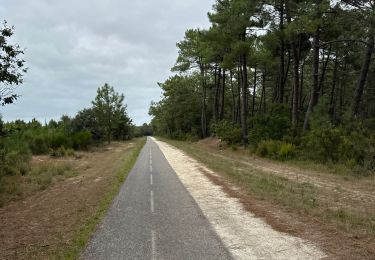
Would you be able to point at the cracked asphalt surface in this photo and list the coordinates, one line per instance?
(154, 217)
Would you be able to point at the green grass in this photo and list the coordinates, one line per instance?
(293, 196)
(83, 235)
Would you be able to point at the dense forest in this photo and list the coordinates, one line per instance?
(284, 78)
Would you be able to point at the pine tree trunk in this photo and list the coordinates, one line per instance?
(214, 111)
(323, 74)
(314, 95)
(332, 103)
(295, 104)
(281, 84)
(204, 113)
(233, 98)
(358, 95)
(222, 103)
(301, 85)
(239, 95)
(262, 104)
(254, 90)
(244, 83)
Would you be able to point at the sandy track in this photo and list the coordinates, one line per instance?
(246, 236)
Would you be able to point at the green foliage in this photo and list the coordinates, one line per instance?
(62, 152)
(59, 139)
(276, 149)
(82, 140)
(286, 72)
(110, 113)
(143, 130)
(227, 132)
(177, 115)
(14, 157)
(38, 145)
(274, 125)
(339, 145)
(287, 151)
(11, 65)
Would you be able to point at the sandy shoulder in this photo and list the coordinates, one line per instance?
(245, 236)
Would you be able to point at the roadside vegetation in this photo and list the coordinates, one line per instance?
(288, 80)
(56, 221)
(105, 121)
(324, 203)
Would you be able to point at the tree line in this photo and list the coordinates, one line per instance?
(104, 121)
(300, 72)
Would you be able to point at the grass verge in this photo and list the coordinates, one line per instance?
(292, 196)
(82, 236)
(37, 179)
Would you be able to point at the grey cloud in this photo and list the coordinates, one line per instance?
(73, 47)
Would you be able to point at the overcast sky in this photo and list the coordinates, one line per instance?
(73, 47)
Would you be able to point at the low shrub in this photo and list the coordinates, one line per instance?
(62, 152)
(276, 149)
(59, 139)
(14, 158)
(287, 151)
(42, 176)
(275, 125)
(227, 132)
(38, 145)
(82, 140)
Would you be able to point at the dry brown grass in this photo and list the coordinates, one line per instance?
(56, 222)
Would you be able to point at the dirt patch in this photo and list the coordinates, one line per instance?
(43, 224)
(245, 235)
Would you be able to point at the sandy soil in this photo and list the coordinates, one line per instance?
(357, 194)
(245, 235)
(42, 224)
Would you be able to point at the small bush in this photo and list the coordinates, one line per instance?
(82, 140)
(14, 158)
(227, 132)
(38, 145)
(323, 144)
(41, 177)
(62, 152)
(287, 151)
(59, 139)
(275, 125)
(276, 149)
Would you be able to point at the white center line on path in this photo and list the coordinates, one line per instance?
(151, 182)
(150, 161)
(152, 202)
(153, 247)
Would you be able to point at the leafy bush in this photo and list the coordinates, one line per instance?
(276, 149)
(59, 139)
(287, 151)
(323, 144)
(227, 132)
(62, 152)
(38, 145)
(14, 157)
(275, 125)
(82, 140)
